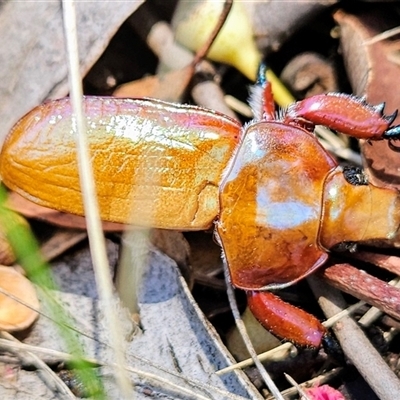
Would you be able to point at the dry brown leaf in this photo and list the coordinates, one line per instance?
(175, 246)
(168, 87)
(15, 316)
(32, 49)
(30, 210)
(373, 73)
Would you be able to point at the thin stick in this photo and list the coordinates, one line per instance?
(364, 286)
(96, 238)
(299, 389)
(202, 52)
(242, 329)
(354, 343)
(374, 313)
(285, 348)
(382, 36)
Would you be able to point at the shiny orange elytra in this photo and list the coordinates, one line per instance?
(155, 164)
(278, 199)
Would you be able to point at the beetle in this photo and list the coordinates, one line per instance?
(278, 201)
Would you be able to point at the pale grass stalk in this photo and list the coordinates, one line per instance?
(152, 378)
(382, 36)
(299, 389)
(282, 351)
(95, 233)
(67, 357)
(344, 313)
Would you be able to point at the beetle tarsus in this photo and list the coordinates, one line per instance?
(392, 133)
(333, 349)
(261, 98)
(261, 75)
(390, 118)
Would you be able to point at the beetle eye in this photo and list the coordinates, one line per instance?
(355, 175)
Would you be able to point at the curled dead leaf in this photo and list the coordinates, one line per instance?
(15, 316)
(168, 87)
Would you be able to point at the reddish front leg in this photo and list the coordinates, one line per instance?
(284, 320)
(346, 114)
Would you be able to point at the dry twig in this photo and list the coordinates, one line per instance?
(355, 344)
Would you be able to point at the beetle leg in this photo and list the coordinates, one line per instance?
(285, 320)
(268, 98)
(261, 99)
(345, 113)
(392, 133)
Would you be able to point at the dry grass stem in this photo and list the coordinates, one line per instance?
(279, 353)
(47, 374)
(152, 379)
(96, 238)
(242, 329)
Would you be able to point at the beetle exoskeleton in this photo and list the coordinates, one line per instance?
(284, 203)
(155, 164)
(278, 199)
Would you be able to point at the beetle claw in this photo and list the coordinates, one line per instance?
(390, 118)
(392, 133)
